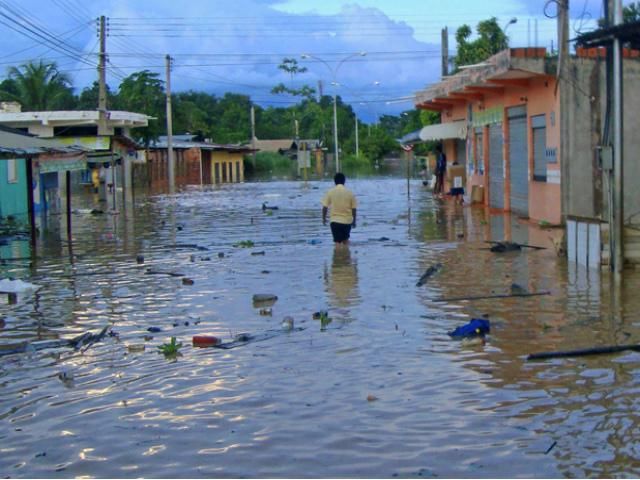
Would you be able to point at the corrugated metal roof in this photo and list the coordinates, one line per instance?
(176, 144)
(12, 144)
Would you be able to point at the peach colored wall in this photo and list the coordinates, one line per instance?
(540, 98)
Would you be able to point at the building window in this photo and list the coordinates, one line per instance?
(12, 171)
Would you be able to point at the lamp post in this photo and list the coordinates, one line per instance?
(334, 73)
(510, 22)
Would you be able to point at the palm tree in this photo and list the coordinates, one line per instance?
(39, 87)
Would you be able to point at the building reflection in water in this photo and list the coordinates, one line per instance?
(341, 280)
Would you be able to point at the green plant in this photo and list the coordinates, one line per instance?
(244, 244)
(170, 349)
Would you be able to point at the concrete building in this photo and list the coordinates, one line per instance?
(528, 131)
(107, 139)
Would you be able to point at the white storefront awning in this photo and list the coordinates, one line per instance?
(442, 131)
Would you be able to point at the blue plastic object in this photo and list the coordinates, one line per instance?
(477, 327)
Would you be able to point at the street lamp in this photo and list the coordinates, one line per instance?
(334, 73)
(510, 22)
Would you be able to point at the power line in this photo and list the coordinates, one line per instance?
(28, 28)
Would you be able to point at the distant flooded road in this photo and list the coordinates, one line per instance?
(376, 390)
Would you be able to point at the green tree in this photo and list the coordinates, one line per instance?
(631, 12)
(39, 87)
(232, 124)
(88, 98)
(290, 65)
(143, 92)
(491, 40)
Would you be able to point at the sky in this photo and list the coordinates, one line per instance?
(374, 54)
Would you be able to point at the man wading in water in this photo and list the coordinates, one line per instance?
(342, 203)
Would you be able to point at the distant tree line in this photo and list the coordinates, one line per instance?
(40, 86)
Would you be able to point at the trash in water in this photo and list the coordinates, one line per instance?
(266, 207)
(371, 398)
(139, 259)
(264, 300)
(314, 241)
(266, 312)
(287, 323)
(477, 327)
(220, 254)
(318, 315)
(261, 252)
(154, 329)
(431, 271)
(136, 347)
(66, 375)
(187, 281)
(203, 341)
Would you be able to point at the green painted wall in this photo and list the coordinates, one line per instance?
(13, 196)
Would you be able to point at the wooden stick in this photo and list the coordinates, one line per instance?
(583, 352)
(481, 297)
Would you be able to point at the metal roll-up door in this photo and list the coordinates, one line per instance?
(539, 148)
(496, 167)
(518, 160)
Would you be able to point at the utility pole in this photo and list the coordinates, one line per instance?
(102, 77)
(102, 67)
(617, 229)
(253, 136)
(172, 173)
(445, 51)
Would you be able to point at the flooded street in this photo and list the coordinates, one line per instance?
(380, 390)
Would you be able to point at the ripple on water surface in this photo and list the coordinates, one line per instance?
(378, 389)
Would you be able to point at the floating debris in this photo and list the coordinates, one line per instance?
(264, 300)
(187, 281)
(243, 244)
(477, 327)
(287, 323)
(204, 341)
(159, 272)
(266, 312)
(430, 272)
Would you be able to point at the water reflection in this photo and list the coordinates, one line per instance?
(341, 280)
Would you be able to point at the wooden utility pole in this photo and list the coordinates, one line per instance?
(170, 159)
(102, 77)
(102, 67)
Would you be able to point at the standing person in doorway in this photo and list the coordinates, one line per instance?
(343, 204)
(441, 169)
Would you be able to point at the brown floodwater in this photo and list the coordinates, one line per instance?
(379, 390)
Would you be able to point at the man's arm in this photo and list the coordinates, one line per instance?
(353, 212)
(324, 215)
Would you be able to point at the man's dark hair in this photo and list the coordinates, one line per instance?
(339, 178)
